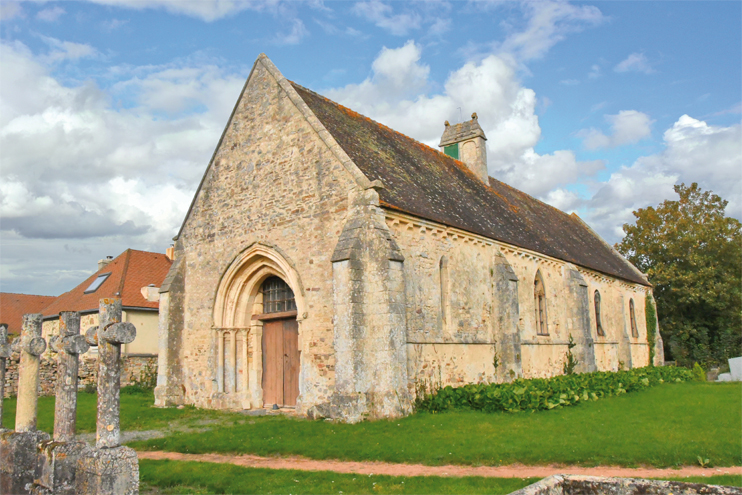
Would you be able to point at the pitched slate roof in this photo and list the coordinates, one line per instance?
(129, 272)
(14, 306)
(426, 183)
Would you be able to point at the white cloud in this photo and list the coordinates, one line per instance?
(440, 26)
(598, 106)
(51, 14)
(10, 10)
(548, 22)
(563, 199)
(297, 33)
(595, 72)
(207, 10)
(397, 95)
(636, 62)
(77, 167)
(694, 152)
(627, 127)
(113, 24)
(382, 15)
(67, 50)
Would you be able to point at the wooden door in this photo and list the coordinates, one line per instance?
(280, 362)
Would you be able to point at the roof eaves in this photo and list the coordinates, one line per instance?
(613, 249)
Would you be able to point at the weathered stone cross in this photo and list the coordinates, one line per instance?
(58, 457)
(109, 335)
(19, 456)
(109, 468)
(4, 355)
(32, 345)
(69, 345)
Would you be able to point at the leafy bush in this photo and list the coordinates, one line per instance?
(651, 319)
(147, 378)
(699, 375)
(539, 394)
(135, 390)
(570, 362)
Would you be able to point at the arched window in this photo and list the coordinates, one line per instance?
(539, 303)
(443, 268)
(598, 324)
(277, 296)
(632, 316)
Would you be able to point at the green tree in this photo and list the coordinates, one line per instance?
(693, 256)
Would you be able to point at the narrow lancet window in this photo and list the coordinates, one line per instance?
(443, 268)
(632, 316)
(539, 302)
(598, 323)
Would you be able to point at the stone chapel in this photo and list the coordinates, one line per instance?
(331, 264)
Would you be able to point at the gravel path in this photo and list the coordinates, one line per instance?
(512, 471)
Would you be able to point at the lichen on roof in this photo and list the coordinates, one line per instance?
(421, 181)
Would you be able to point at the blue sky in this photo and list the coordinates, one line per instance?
(110, 110)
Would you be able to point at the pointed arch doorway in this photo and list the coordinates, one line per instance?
(280, 343)
(260, 293)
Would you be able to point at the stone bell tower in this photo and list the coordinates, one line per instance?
(466, 142)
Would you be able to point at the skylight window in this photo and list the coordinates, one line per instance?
(97, 283)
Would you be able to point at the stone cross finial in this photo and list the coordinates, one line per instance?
(69, 345)
(4, 354)
(109, 335)
(31, 346)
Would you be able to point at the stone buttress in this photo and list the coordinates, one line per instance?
(508, 313)
(169, 389)
(370, 328)
(578, 308)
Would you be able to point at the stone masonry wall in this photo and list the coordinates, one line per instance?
(454, 322)
(134, 366)
(272, 180)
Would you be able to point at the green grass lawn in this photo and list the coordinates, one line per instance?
(171, 477)
(203, 477)
(137, 413)
(669, 425)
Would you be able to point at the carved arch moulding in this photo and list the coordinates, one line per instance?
(239, 288)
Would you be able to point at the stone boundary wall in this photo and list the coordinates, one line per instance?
(134, 366)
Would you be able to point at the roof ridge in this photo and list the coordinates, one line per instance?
(23, 294)
(123, 272)
(455, 161)
(143, 251)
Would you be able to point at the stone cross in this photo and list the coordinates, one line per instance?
(109, 335)
(109, 468)
(69, 345)
(4, 355)
(31, 345)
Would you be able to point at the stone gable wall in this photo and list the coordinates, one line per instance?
(274, 181)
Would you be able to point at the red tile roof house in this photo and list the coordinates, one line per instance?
(135, 277)
(14, 306)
